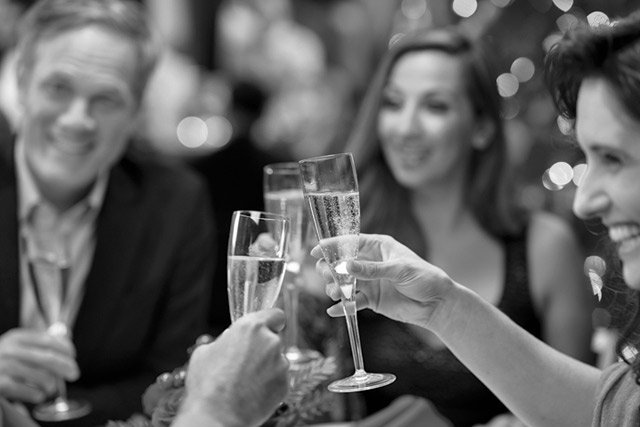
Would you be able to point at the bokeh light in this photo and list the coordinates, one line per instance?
(561, 173)
(566, 22)
(563, 5)
(220, 131)
(192, 132)
(510, 108)
(413, 9)
(597, 18)
(507, 85)
(464, 8)
(501, 3)
(629, 352)
(564, 125)
(550, 40)
(395, 38)
(596, 264)
(548, 183)
(578, 173)
(523, 68)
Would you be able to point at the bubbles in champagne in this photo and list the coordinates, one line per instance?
(336, 216)
(335, 213)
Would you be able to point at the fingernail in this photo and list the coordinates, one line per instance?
(334, 311)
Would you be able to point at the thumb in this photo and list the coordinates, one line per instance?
(272, 318)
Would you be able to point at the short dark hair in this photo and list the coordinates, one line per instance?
(611, 52)
(125, 17)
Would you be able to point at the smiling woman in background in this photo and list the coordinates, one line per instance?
(432, 163)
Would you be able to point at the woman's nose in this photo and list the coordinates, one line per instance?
(591, 199)
(408, 122)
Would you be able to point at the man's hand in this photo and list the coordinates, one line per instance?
(31, 362)
(241, 377)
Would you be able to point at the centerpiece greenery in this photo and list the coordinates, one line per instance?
(308, 399)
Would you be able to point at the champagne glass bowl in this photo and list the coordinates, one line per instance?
(330, 186)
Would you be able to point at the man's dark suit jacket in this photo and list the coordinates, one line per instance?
(148, 289)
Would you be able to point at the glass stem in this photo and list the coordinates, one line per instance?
(349, 308)
(62, 389)
(291, 295)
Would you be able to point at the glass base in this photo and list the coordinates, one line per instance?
(301, 356)
(61, 410)
(361, 381)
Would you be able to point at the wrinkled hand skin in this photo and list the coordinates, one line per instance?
(392, 280)
(242, 376)
(31, 362)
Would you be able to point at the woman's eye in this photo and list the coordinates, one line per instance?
(611, 159)
(390, 103)
(435, 105)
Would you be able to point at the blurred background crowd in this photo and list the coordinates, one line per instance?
(285, 77)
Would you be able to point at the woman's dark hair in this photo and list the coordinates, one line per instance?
(385, 203)
(610, 52)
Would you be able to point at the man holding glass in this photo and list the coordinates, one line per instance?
(132, 237)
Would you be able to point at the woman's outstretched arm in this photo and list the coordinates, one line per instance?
(540, 385)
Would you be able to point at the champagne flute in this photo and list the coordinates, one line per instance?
(48, 265)
(330, 187)
(283, 195)
(255, 260)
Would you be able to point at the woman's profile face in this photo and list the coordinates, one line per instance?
(426, 120)
(610, 189)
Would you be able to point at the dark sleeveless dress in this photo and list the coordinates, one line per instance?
(436, 374)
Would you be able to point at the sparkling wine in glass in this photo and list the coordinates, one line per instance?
(48, 264)
(256, 260)
(283, 195)
(330, 187)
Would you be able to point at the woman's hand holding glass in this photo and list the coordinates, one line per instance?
(392, 281)
(330, 186)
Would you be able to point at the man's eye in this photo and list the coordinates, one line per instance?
(57, 89)
(107, 102)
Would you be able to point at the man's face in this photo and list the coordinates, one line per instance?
(78, 107)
